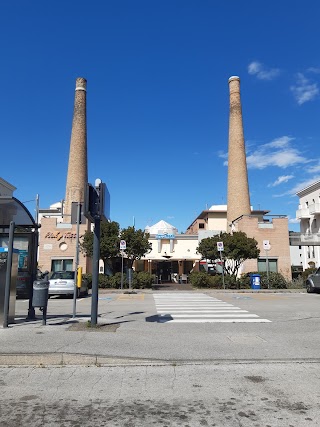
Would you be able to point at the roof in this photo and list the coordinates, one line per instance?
(12, 210)
(161, 227)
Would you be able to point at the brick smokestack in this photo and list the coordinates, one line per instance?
(77, 168)
(238, 187)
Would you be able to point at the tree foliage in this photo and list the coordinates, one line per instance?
(137, 243)
(238, 247)
(109, 242)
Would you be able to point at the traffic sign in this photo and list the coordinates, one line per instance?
(123, 245)
(266, 245)
(220, 246)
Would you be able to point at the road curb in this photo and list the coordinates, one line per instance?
(43, 360)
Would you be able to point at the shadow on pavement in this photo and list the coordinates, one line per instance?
(159, 319)
(172, 287)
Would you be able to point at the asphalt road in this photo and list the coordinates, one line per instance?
(142, 328)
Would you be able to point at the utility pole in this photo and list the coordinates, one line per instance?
(95, 272)
(76, 261)
(94, 211)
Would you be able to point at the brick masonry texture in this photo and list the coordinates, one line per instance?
(278, 237)
(77, 167)
(59, 243)
(238, 187)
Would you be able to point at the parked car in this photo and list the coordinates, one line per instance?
(313, 282)
(62, 283)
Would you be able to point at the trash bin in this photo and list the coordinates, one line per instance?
(40, 293)
(255, 281)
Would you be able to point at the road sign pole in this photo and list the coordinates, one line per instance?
(267, 247)
(224, 286)
(267, 265)
(95, 272)
(123, 247)
(121, 269)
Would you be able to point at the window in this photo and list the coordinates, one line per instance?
(272, 265)
(61, 264)
(201, 225)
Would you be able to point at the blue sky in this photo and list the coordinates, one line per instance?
(158, 100)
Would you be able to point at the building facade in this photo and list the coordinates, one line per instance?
(309, 215)
(172, 254)
(259, 225)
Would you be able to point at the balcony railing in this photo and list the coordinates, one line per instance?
(314, 208)
(304, 239)
(303, 213)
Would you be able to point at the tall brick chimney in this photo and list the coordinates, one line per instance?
(77, 168)
(238, 187)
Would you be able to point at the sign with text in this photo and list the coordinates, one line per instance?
(123, 245)
(165, 236)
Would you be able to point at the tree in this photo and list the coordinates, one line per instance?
(137, 244)
(109, 243)
(238, 247)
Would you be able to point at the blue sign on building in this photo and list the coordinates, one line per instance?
(165, 236)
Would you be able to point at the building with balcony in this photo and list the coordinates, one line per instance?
(309, 215)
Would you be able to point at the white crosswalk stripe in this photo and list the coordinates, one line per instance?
(190, 307)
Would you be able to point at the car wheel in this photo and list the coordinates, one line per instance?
(309, 288)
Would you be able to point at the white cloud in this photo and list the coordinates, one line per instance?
(283, 141)
(300, 186)
(280, 180)
(259, 70)
(314, 169)
(304, 90)
(314, 70)
(294, 221)
(275, 153)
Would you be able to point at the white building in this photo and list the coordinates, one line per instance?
(309, 215)
(172, 254)
(6, 189)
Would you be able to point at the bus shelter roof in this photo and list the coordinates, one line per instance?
(12, 210)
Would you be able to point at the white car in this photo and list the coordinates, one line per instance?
(62, 283)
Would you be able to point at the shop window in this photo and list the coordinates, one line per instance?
(61, 265)
(272, 263)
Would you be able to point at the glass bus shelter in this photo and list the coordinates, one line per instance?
(25, 241)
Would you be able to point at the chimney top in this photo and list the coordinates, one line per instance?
(81, 83)
(234, 78)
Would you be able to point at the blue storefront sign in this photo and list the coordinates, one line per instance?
(165, 236)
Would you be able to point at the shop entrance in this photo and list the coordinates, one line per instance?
(165, 270)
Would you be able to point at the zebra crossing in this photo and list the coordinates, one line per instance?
(192, 307)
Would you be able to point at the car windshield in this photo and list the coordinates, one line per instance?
(67, 275)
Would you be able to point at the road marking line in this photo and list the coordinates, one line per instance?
(200, 308)
(190, 316)
(203, 311)
(214, 321)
